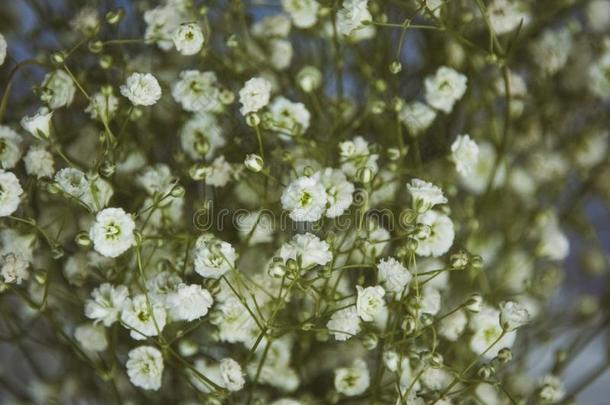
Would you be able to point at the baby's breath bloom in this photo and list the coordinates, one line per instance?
(39, 162)
(201, 136)
(39, 125)
(189, 302)
(305, 198)
(464, 153)
(57, 89)
(506, 15)
(289, 118)
(145, 367)
(213, 257)
(91, 337)
(10, 147)
(370, 303)
(417, 117)
(141, 89)
(197, 91)
(339, 191)
(143, 318)
(13, 268)
(254, 95)
(552, 389)
(344, 324)
(10, 193)
(231, 374)
(489, 337)
(106, 303)
(425, 195)
(103, 106)
(188, 38)
(352, 16)
(354, 380)
(445, 88)
(452, 326)
(112, 232)
(394, 275)
(441, 235)
(219, 172)
(355, 156)
(302, 12)
(307, 249)
(513, 315)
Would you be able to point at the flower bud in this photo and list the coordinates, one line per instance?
(107, 169)
(95, 46)
(369, 341)
(486, 371)
(254, 162)
(253, 120)
(309, 78)
(105, 62)
(82, 239)
(58, 58)
(276, 268)
(474, 303)
(365, 175)
(178, 191)
(505, 355)
(198, 171)
(395, 67)
(113, 17)
(459, 260)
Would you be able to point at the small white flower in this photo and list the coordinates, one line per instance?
(302, 12)
(232, 374)
(201, 136)
(513, 315)
(213, 257)
(91, 337)
(102, 106)
(430, 300)
(486, 340)
(281, 53)
(452, 326)
(141, 89)
(356, 156)
(10, 147)
(140, 320)
(354, 380)
(339, 191)
(112, 232)
(445, 88)
(189, 302)
(161, 23)
(552, 49)
(10, 193)
(39, 162)
(197, 91)
(505, 16)
(273, 26)
(344, 324)
(57, 89)
(106, 303)
(219, 172)
(145, 367)
(394, 275)
(3, 47)
(188, 39)
(370, 302)
(39, 125)
(256, 227)
(289, 118)
(254, 95)
(425, 195)
(305, 198)
(352, 16)
(552, 389)
(417, 117)
(440, 239)
(307, 249)
(254, 162)
(465, 154)
(13, 268)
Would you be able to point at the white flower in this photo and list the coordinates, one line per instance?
(305, 198)
(156, 179)
(10, 147)
(161, 23)
(188, 39)
(355, 156)
(513, 315)
(112, 232)
(38, 125)
(13, 268)
(281, 53)
(417, 117)
(137, 316)
(486, 340)
(394, 275)
(3, 47)
(554, 244)
(302, 12)
(445, 88)
(307, 249)
(141, 89)
(213, 257)
(145, 367)
(440, 239)
(430, 300)
(10, 193)
(39, 162)
(505, 15)
(57, 89)
(103, 105)
(354, 380)
(273, 26)
(91, 337)
(232, 374)
(339, 191)
(477, 179)
(597, 11)
(344, 324)
(201, 136)
(370, 303)
(254, 95)
(254, 162)
(465, 154)
(189, 302)
(552, 390)
(552, 49)
(289, 118)
(352, 16)
(106, 303)
(219, 172)
(425, 195)
(256, 227)
(197, 91)
(452, 326)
